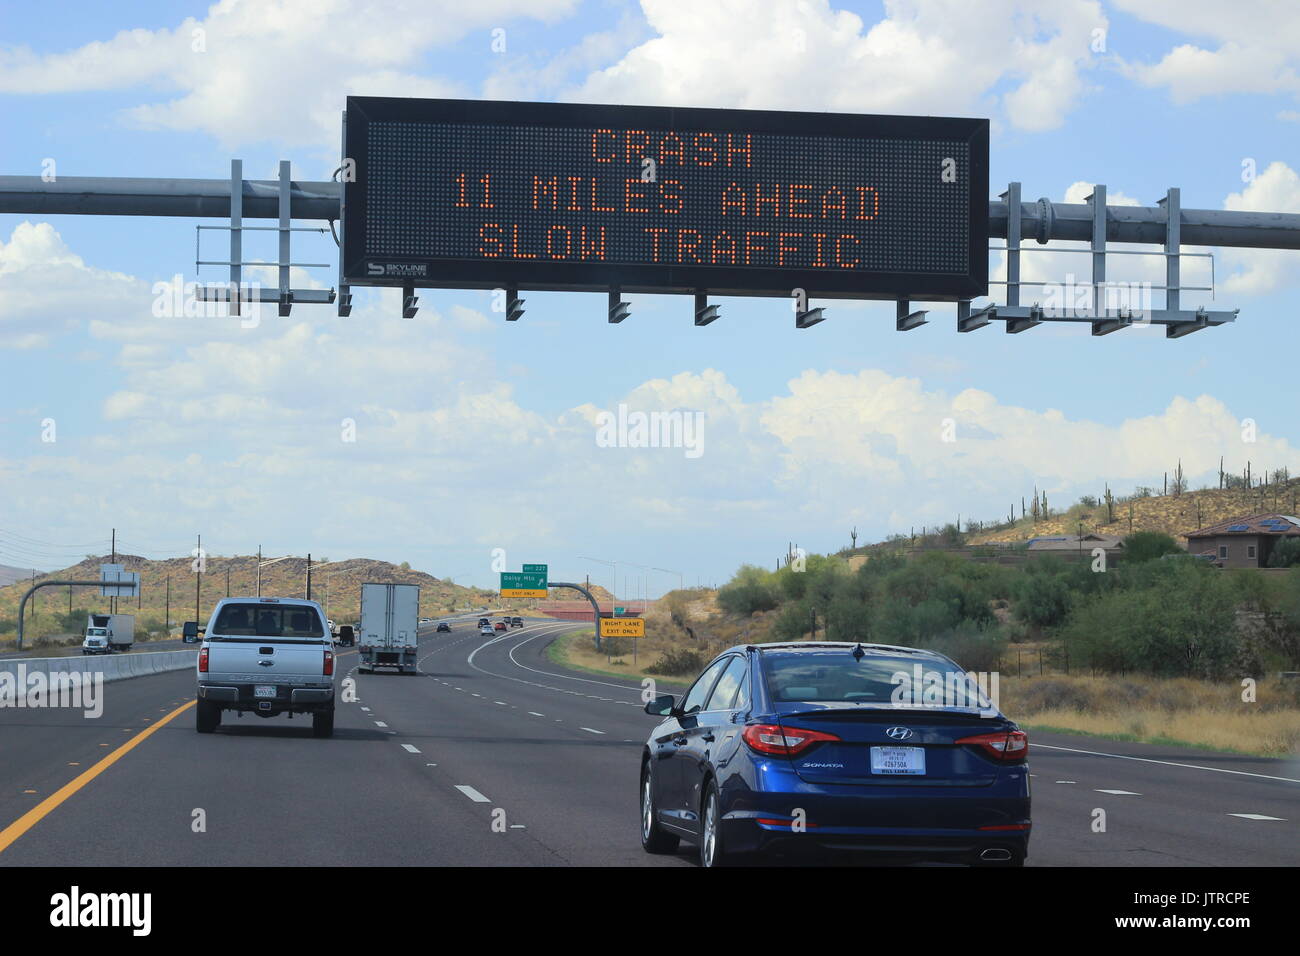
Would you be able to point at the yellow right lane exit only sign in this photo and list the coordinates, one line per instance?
(622, 627)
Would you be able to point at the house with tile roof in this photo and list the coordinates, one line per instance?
(1242, 542)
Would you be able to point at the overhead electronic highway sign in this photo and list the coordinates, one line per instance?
(480, 194)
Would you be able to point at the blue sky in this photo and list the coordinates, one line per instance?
(473, 435)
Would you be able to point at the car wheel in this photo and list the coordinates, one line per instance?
(207, 716)
(653, 837)
(322, 723)
(712, 851)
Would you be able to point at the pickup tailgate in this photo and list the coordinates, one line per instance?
(261, 659)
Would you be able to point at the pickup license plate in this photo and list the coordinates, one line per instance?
(898, 760)
(264, 690)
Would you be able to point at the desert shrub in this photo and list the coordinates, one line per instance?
(1148, 545)
(749, 591)
(1286, 553)
(678, 662)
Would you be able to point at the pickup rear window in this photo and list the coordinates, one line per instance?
(268, 620)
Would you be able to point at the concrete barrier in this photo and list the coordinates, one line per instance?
(112, 666)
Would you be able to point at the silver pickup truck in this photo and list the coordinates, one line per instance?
(266, 656)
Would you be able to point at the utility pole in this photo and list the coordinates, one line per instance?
(198, 577)
(227, 580)
(168, 613)
(112, 600)
(259, 570)
(308, 575)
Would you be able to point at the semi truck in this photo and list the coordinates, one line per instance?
(390, 615)
(106, 633)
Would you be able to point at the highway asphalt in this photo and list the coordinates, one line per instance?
(494, 755)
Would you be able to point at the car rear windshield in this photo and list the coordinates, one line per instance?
(268, 620)
(875, 679)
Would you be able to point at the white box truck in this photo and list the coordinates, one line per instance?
(390, 615)
(106, 633)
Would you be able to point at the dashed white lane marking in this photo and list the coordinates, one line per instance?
(1168, 763)
(501, 702)
(477, 695)
(431, 765)
(1256, 816)
(365, 708)
(472, 793)
(410, 749)
(380, 723)
(1065, 781)
(1121, 793)
(592, 731)
(533, 713)
(517, 826)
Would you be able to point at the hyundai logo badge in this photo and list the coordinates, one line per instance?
(898, 733)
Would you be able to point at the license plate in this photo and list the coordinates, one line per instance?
(898, 760)
(264, 690)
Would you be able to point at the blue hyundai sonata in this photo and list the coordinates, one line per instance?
(828, 748)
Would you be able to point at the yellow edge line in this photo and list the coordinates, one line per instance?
(37, 813)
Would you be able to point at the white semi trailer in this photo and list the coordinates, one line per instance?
(390, 616)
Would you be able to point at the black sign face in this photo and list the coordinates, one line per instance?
(475, 194)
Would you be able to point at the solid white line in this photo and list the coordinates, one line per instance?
(1168, 763)
(1121, 793)
(410, 749)
(590, 731)
(1256, 816)
(472, 793)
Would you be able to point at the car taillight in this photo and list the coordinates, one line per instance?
(775, 741)
(1005, 746)
(203, 661)
(329, 663)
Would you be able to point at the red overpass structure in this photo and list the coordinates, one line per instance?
(581, 610)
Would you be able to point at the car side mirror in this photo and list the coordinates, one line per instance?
(664, 705)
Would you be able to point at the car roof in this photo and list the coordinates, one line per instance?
(881, 650)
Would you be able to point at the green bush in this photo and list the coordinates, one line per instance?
(749, 591)
(1148, 545)
(1042, 596)
(1182, 624)
(1285, 554)
(678, 662)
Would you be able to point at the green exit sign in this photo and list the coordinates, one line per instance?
(528, 583)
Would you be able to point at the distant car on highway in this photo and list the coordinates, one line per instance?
(266, 656)
(443, 626)
(345, 636)
(804, 747)
(516, 622)
(499, 626)
(486, 629)
(484, 622)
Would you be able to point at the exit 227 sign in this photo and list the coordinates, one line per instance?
(478, 194)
